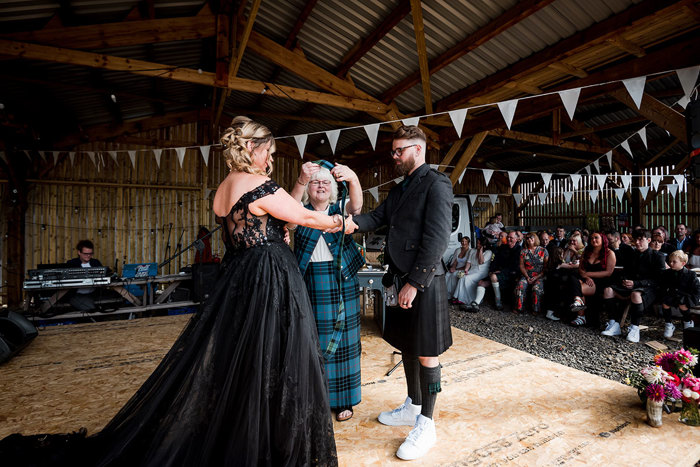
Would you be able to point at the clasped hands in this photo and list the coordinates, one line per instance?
(350, 225)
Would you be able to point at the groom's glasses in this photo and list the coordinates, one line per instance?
(398, 151)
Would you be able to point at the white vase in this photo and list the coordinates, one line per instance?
(654, 412)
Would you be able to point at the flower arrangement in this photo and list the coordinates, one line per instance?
(690, 389)
(663, 381)
(679, 362)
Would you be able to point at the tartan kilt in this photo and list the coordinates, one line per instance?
(424, 329)
(343, 368)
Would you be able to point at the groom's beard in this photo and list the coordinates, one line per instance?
(405, 167)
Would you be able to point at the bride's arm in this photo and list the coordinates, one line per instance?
(282, 206)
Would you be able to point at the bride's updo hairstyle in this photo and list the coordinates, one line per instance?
(237, 156)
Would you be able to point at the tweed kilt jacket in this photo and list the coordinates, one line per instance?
(419, 217)
(305, 240)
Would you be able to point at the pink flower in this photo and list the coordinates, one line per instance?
(655, 392)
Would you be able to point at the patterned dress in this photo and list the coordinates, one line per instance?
(321, 278)
(534, 264)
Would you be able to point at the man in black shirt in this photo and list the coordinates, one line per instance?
(624, 254)
(503, 271)
(84, 299)
(560, 238)
(639, 285)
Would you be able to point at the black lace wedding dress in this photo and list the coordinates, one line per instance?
(243, 385)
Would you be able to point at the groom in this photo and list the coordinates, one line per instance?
(419, 215)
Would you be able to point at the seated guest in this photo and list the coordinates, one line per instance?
(499, 220)
(502, 273)
(585, 234)
(693, 247)
(479, 259)
(502, 238)
(657, 244)
(595, 269)
(681, 240)
(544, 239)
(491, 232)
(661, 234)
(84, 299)
(623, 253)
(533, 260)
(680, 288)
(556, 258)
(560, 279)
(626, 238)
(639, 285)
(560, 237)
(520, 237)
(459, 264)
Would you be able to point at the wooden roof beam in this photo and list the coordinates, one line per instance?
(614, 26)
(627, 46)
(608, 126)
(240, 48)
(363, 46)
(544, 140)
(447, 160)
(662, 152)
(299, 23)
(466, 157)
(656, 111)
(417, 13)
(509, 18)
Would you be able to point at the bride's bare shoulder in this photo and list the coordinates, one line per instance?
(235, 185)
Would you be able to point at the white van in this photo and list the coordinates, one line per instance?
(461, 225)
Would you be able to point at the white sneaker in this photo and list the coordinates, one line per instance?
(668, 330)
(403, 415)
(613, 329)
(688, 324)
(633, 334)
(550, 315)
(419, 441)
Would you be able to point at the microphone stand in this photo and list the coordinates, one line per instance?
(178, 253)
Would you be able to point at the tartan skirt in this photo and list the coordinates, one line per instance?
(343, 368)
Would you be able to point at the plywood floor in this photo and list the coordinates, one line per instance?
(498, 406)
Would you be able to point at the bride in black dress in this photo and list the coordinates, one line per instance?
(244, 384)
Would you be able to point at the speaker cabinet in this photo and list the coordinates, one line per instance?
(691, 338)
(16, 332)
(204, 277)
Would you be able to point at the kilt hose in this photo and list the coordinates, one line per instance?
(343, 368)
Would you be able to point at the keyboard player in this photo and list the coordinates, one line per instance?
(83, 299)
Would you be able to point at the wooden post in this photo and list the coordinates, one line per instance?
(14, 210)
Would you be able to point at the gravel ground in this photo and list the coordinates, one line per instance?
(582, 348)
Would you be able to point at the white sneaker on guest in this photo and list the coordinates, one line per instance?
(613, 329)
(403, 415)
(633, 334)
(550, 315)
(419, 441)
(688, 324)
(668, 330)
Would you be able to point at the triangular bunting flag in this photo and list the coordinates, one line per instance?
(655, 180)
(570, 99)
(635, 86)
(644, 190)
(29, 156)
(673, 189)
(91, 155)
(333, 136)
(434, 166)
(398, 180)
(413, 121)
(643, 135)
(609, 156)
(567, 196)
(626, 146)
(619, 192)
(71, 156)
(180, 155)
(512, 176)
(680, 180)
(3, 157)
(601, 180)
(207, 192)
(113, 155)
(301, 143)
(683, 101)
(132, 156)
(461, 176)
(575, 179)
(588, 169)
(43, 155)
(596, 164)
(372, 131)
(472, 199)
(205, 154)
(458, 117)
(55, 156)
(374, 191)
(487, 175)
(593, 194)
(688, 77)
(546, 177)
(508, 110)
(157, 153)
(494, 199)
(626, 180)
(542, 197)
(518, 197)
